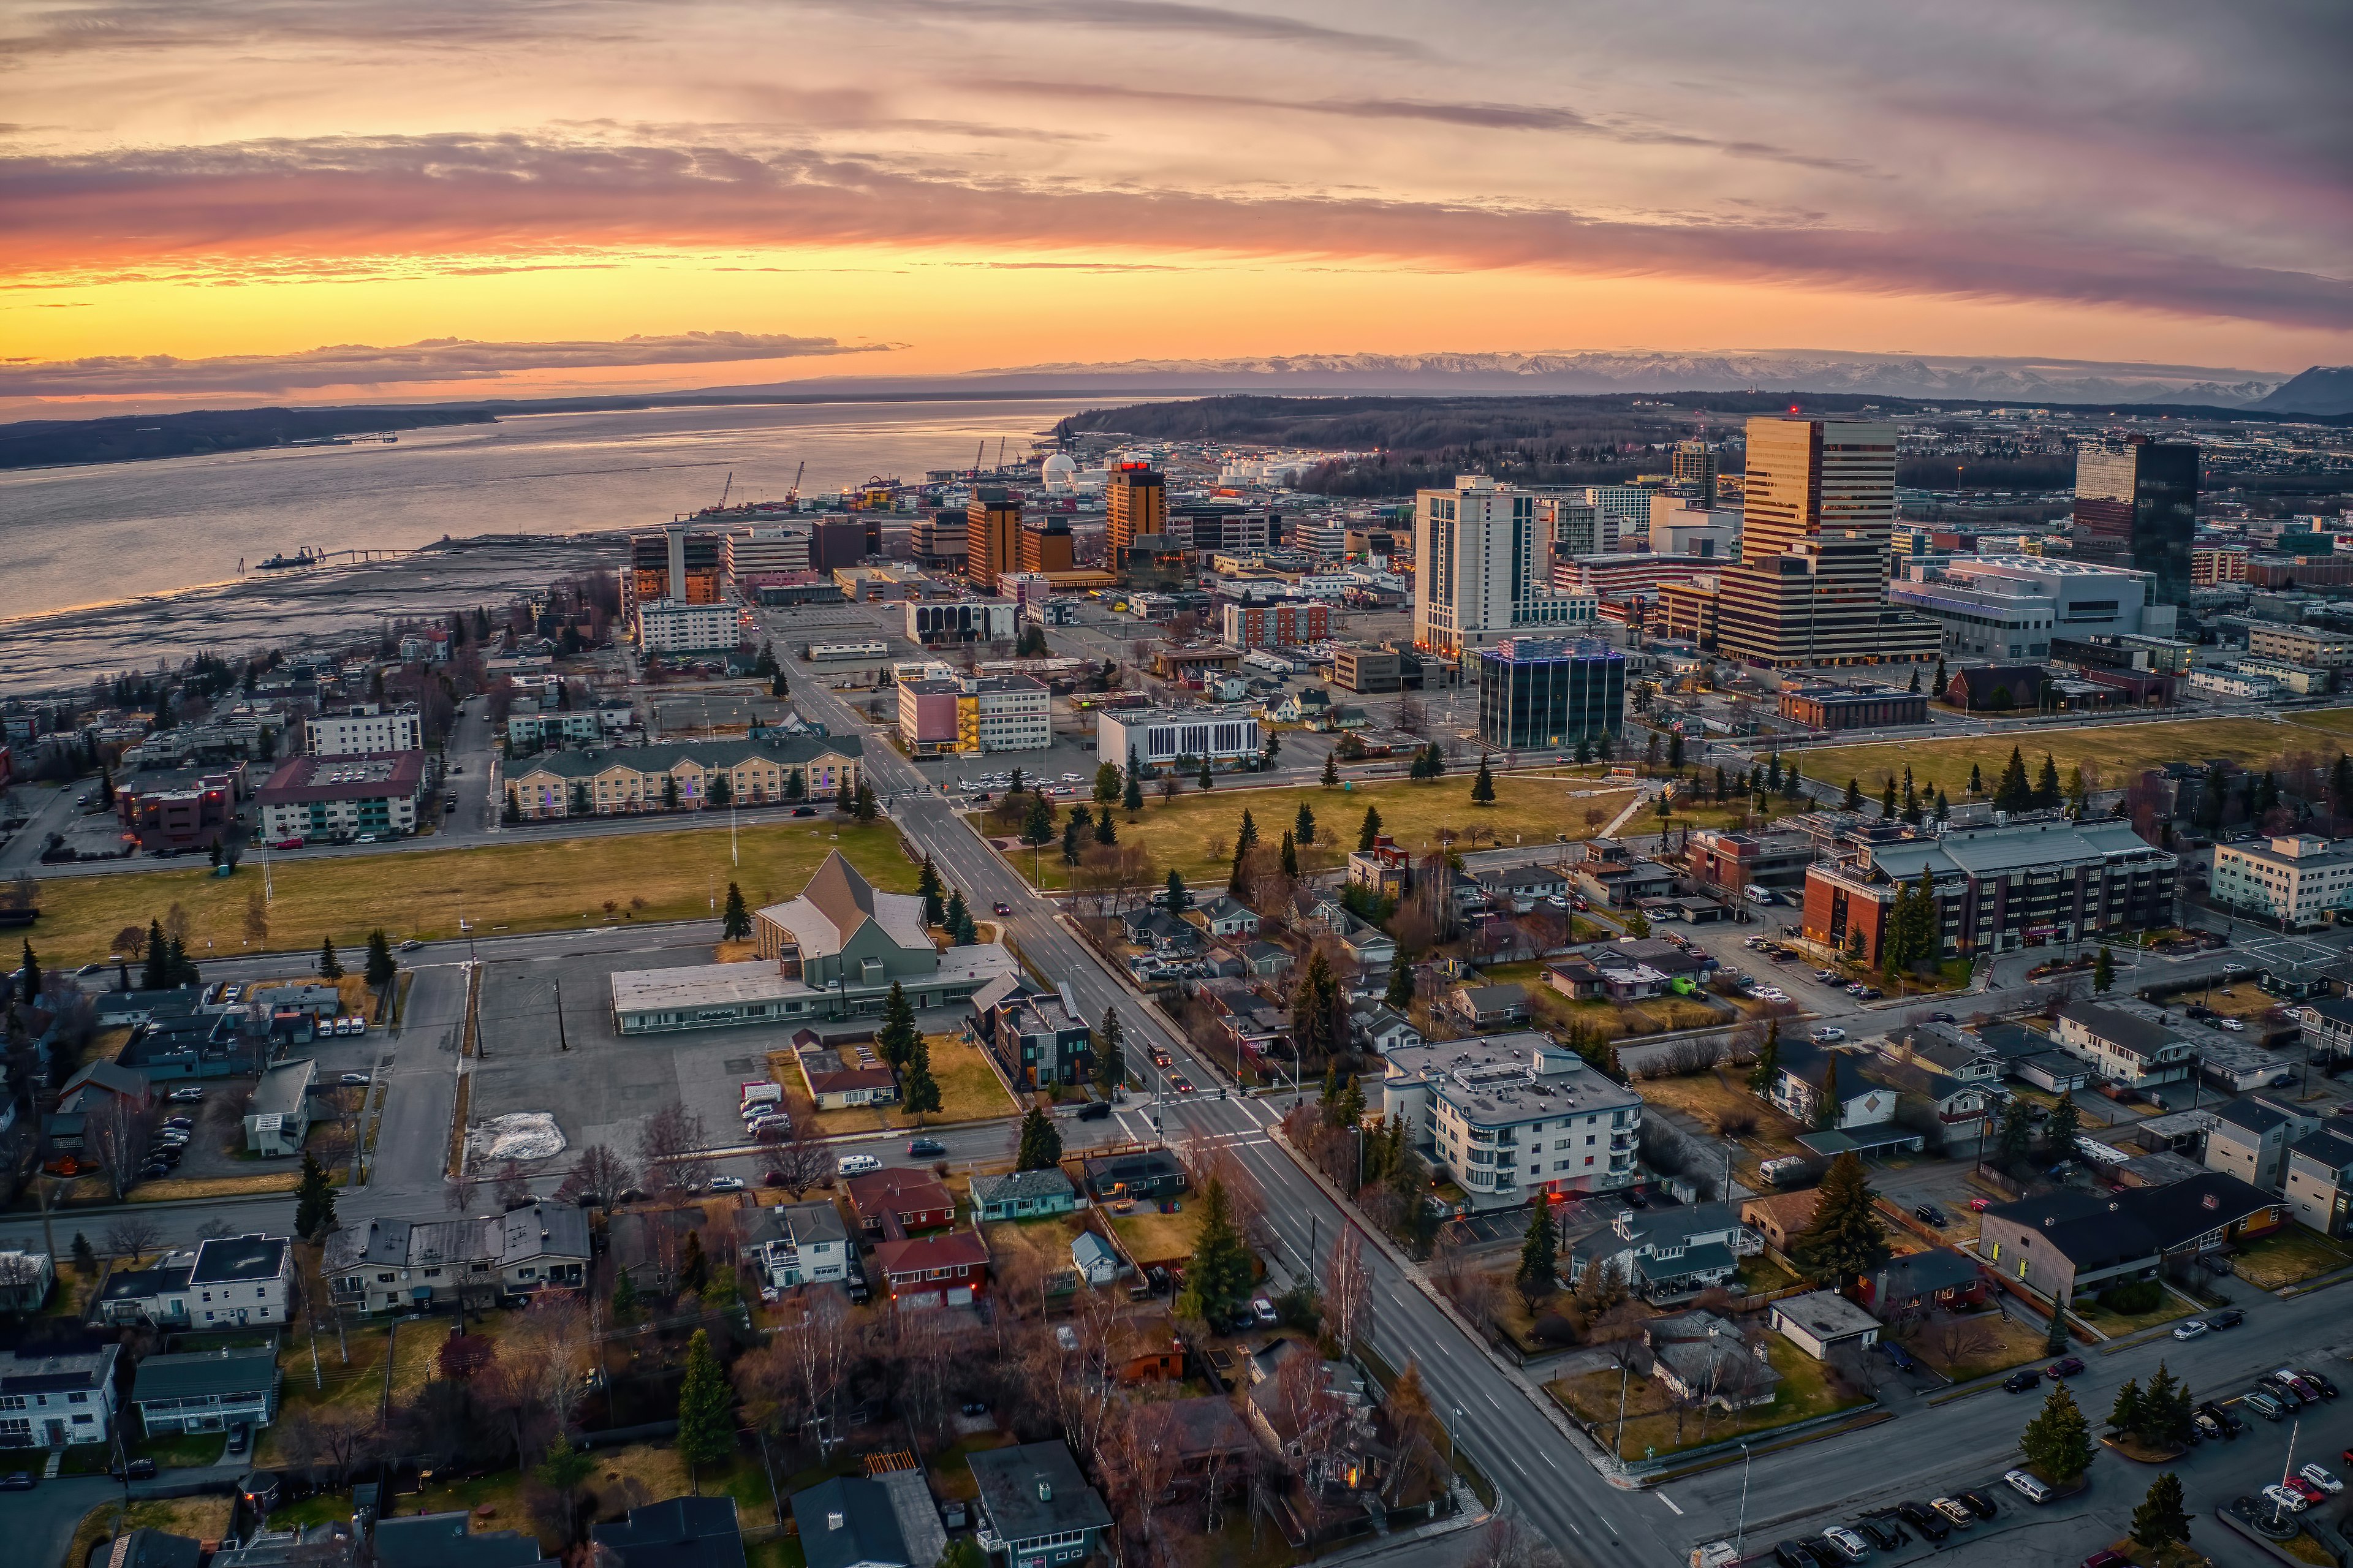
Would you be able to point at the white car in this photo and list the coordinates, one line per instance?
(1846, 1543)
(1824, 1036)
(2322, 1479)
(2190, 1329)
(2280, 1497)
(2233, 1025)
(185, 1096)
(726, 1183)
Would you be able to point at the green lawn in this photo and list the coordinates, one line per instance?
(2289, 1256)
(527, 884)
(2117, 752)
(1653, 1427)
(970, 1090)
(1195, 832)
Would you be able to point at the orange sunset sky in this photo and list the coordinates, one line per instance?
(607, 194)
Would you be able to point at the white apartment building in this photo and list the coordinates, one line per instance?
(1575, 527)
(2127, 1048)
(1679, 526)
(665, 625)
(1512, 1116)
(1159, 736)
(2231, 683)
(1483, 566)
(1625, 510)
(2299, 878)
(2006, 608)
(363, 727)
(2300, 645)
(240, 1280)
(2300, 679)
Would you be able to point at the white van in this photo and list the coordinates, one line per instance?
(2026, 1486)
(1756, 895)
(859, 1165)
(759, 1092)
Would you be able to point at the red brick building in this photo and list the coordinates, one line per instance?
(895, 1202)
(950, 1269)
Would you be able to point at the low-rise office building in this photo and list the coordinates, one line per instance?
(1513, 1116)
(2300, 645)
(343, 796)
(362, 730)
(1853, 707)
(2073, 1241)
(1284, 624)
(1157, 737)
(974, 714)
(2300, 880)
(962, 621)
(665, 625)
(690, 775)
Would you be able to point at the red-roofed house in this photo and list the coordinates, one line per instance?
(946, 1269)
(893, 1203)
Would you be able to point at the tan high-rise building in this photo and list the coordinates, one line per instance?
(1136, 503)
(992, 530)
(1812, 584)
(1694, 471)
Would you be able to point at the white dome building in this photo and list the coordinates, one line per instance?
(1058, 472)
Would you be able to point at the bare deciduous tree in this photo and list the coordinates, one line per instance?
(599, 1172)
(114, 1130)
(1143, 1453)
(667, 1141)
(798, 1154)
(330, 1439)
(1347, 1291)
(133, 1236)
(1508, 1543)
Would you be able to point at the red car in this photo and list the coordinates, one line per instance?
(288, 844)
(2306, 1490)
(2066, 1366)
(1979, 1205)
(2105, 1559)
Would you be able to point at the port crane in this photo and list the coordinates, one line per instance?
(793, 496)
(726, 489)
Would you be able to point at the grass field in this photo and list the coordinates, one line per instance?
(2289, 1256)
(1185, 832)
(534, 885)
(2116, 752)
(1155, 1237)
(1654, 1426)
(1990, 1342)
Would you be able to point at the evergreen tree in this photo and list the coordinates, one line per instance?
(1914, 688)
(1289, 856)
(1436, 761)
(1482, 787)
(863, 805)
(1131, 796)
(2065, 1123)
(1106, 790)
(1207, 779)
(32, 977)
(736, 924)
(1887, 801)
(1399, 996)
(927, 888)
(1105, 831)
(625, 1298)
(1040, 1148)
(2125, 1415)
(2104, 970)
(1311, 1009)
(2162, 1518)
(2058, 1441)
(1331, 771)
(1793, 787)
(1584, 750)
(2076, 793)
(329, 967)
(2013, 793)
(1854, 794)
(1773, 772)
(2017, 1133)
(1038, 826)
(1371, 830)
(1303, 826)
(1539, 1258)
(1976, 781)
(84, 1256)
(1245, 836)
(314, 1200)
(381, 966)
(2047, 792)
(706, 1426)
(1828, 1111)
(1676, 752)
(919, 1093)
(1074, 835)
(1768, 1060)
(1218, 1278)
(1721, 782)
(2167, 1412)
(959, 917)
(1111, 1053)
(155, 973)
(1179, 900)
(897, 1036)
(1846, 1239)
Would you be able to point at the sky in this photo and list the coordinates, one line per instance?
(204, 201)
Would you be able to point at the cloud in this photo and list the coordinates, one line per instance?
(507, 199)
(358, 364)
(1136, 16)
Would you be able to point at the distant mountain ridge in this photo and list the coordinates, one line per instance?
(2322, 389)
(1892, 376)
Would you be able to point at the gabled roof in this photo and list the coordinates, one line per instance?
(841, 895)
(2119, 1028)
(233, 1371)
(683, 1532)
(846, 1521)
(106, 1076)
(445, 1541)
(1924, 1273)
(2096, 1230)
(1015, 1185)
(943, 1249)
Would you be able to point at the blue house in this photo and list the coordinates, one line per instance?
(1023, 1194)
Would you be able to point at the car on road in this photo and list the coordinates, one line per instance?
(189, 1096)
(1262, 1312)
(1850, 1546)
(2026, 1486)
(354, 1079)
(2025, 1381)
(856, 1164)
(2228, 1317)
(1825, 1037)
(2285, 1500)
(2234, 969)
(2264, 1406)
(1929, 1214)
(1181, 1084)
(1094, 1111)
(926, 1148)
(1930, 1524)
(1956, 1511)
(2233, 1025)
(18, 1481)
(1942, 1018)
(2190, 1329)
(726, 1183)
(409, 944)
(1979, 1504)
(1162, 1059)
(2321, 1479)
(2066, 1366)
(136, 1470)
(1002, 908)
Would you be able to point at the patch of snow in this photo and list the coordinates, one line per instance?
(518, 1135)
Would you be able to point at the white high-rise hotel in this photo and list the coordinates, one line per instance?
(1483, 568)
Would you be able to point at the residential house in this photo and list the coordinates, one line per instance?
(1264, 961)
(1255, 1025)
(1229, 918)
(1381, 1030)
(26, 1280)
(944, 1268)
(1956, 1053)
(1324, 1423)
(1211, 1440)
(1781, 1217)
(1384, 870)
(1613, 875)
(2328, 1025)
(239, 1280)
(57, 1399)
(1523, 888)
(1153, 1173)
(683, 1532)
(2320, 1180)
(207, 1391)
(278, 1119)
(1097, 1264)
(1023, 1194)
(1671, 959)
(843, 1075)
(798, 1244)
(156, 1295)
(392, 1264)
(1670, 1253)
(2073, 1241)
(1820, 1321)
(1035, 1508)
(1038, 1037)
(105, 1077)
(147, 1547)
(895, 1201)
(1490, 1007)
(1802, 1073)
(1704, 1359)
(1938, 1279)
(2250, 1139)
(1961, 1110)
(848, 1522)
(449, 1540)
(1579, 978)
(2128, 1048)
(1157, 930)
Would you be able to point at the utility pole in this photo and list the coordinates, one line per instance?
(562, 1042)
(1740, 1530)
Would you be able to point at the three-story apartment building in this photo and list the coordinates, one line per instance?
(1513, 1116)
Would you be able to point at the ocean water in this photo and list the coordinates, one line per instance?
(118, 565)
